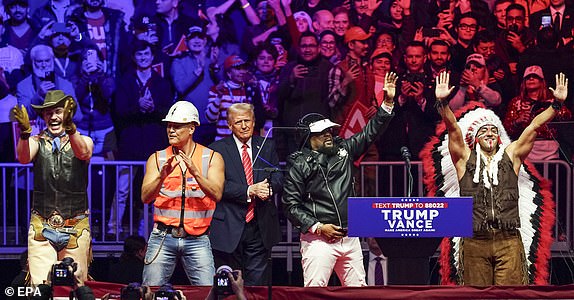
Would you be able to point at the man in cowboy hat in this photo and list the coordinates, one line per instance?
(488, 166)
(59, 224)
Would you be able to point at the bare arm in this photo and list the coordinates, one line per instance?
(459, 151)
(519, 149)
(279, 15)
(219, 10)
(82, 145)
(27, 150)
(250, 12)
(153, 178)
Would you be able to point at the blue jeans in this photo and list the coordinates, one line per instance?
(162, 254)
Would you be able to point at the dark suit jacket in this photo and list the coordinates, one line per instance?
(229, 218)
(567, 20)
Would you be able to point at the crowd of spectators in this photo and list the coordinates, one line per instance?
(127, 61)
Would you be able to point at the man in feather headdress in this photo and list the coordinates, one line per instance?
(488, 167)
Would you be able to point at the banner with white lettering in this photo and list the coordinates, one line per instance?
(410, 217)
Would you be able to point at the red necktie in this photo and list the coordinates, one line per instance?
(246, 161)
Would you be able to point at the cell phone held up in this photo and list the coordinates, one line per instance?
(92, 56)
(431, 32)
(49, 76)
(546, 21)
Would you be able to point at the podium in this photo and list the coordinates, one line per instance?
(409, 229)
(408, 259)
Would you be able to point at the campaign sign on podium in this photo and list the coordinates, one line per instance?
(413, 217)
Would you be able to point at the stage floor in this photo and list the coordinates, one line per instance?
(386, 292)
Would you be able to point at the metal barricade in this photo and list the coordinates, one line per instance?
(390, 180)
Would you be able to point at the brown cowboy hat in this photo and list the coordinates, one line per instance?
(53, 98)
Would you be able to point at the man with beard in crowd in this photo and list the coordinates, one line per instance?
(19, 30)
(33, 89)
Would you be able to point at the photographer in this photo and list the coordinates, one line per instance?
(473, 85)
(236, 282)
(515, 39)
(66, 273)
(415, 119)
(94, 91)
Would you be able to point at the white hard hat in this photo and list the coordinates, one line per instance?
(182, 112)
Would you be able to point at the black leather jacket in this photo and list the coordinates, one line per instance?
(317, 186)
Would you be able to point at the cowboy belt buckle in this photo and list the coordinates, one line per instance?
(178, 232)
(56, 221)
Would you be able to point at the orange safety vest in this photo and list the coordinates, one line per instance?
(198, 208)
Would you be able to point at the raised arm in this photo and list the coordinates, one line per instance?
(250, 12)
(26, 148)
(459, 152)
(520, 148)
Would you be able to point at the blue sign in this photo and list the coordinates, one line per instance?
(410, 217)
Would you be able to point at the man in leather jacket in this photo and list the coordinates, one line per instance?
(317, 185)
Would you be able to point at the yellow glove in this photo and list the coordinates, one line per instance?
(20, 114)
(67, 122)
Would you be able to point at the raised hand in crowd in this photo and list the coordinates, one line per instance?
(468, 78)
(299, 71)
(89, 67)
(351, 74)
(46, 31)
(445, 19)
(561, 90)
(373, 5)
(514, 39)
(44, 87)
(220, 88)
(464, 6)
(74, 30)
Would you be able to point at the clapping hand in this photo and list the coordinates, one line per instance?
(442, 91)
(390, 87)
(561, 90)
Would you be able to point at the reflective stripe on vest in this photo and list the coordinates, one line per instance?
(199, 207)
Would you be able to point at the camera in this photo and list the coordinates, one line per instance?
(63, 273)
(414, 77)
(221, 282)
(166, 292)
(132, 292)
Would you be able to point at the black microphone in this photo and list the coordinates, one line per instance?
(406, 154)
